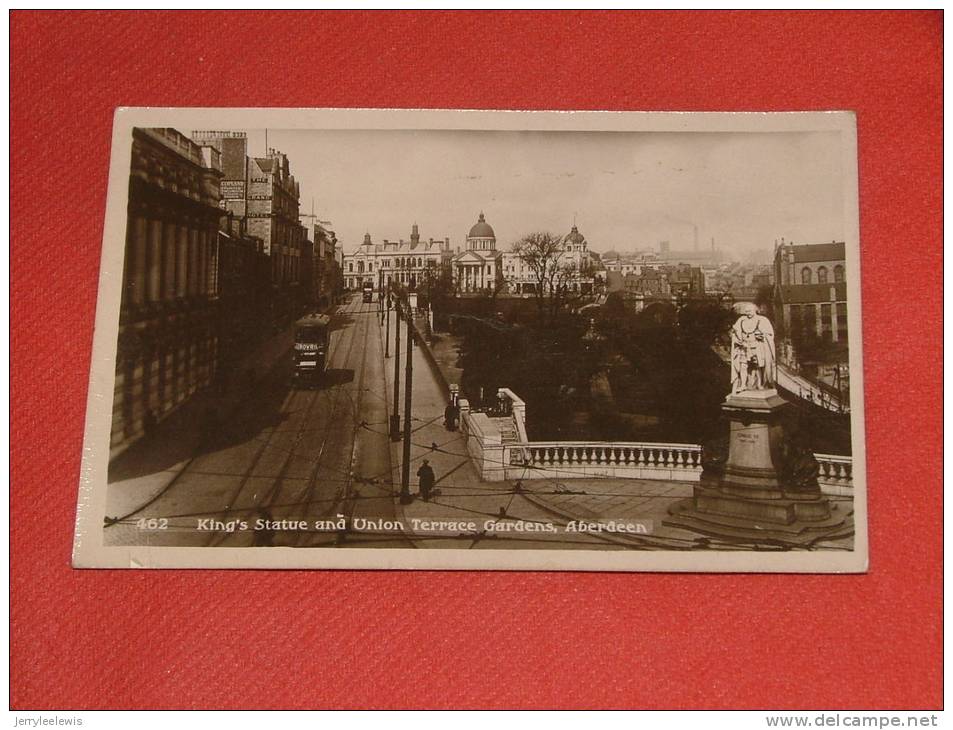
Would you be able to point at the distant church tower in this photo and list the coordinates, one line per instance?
(414, 236)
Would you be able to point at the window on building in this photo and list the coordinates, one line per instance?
(806, 275)
(809, 318)
(796, 318)
(822, 275)
(842, 320)
(838, 273)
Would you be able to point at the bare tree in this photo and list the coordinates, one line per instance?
(541, 253)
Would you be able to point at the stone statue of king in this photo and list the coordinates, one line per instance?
(752, 352)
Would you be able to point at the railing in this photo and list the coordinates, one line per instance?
(565, 459)
(836, 474)
(678, 462)
(497, 461)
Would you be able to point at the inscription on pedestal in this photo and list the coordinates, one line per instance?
(748, 496)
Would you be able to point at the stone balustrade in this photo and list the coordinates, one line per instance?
(517, 408)
(498, 461)
(566, 459)
(836, 474)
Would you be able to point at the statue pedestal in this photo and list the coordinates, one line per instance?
(747, 501)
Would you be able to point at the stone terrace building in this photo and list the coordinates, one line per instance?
(272, 216)
(263, 191)
(167, 330)
(326, 281)
(811, 289)
(244, 295)
(407, 263)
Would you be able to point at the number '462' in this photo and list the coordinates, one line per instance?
(153, 523)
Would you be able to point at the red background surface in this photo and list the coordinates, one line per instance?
(202, 639)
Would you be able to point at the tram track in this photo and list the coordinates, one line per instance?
(341, 494)
(217, 539)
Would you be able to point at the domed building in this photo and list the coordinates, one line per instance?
(481, 236)
(477, 268)
(574, 241)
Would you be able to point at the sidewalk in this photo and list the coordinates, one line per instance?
(145, 469)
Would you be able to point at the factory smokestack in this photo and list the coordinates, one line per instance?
(713, 244)
(695, 235)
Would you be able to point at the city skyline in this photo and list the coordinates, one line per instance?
(626, 191)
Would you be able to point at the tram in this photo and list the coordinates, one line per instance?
(311, 347)
(367, 292)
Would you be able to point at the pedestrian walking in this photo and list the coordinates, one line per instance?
(426, 480)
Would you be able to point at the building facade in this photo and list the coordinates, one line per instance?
(479, 267)
(580, 268)
(324, 277)
(327, 271)
(263, 191)
(243, 284)
(405, 263)
(168, 341)
(811, 290)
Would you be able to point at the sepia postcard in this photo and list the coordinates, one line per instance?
(410, 339)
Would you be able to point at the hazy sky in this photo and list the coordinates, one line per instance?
(628, 190)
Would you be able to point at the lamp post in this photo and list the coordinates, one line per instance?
(394, 416)
(387, 324)
(405, 497)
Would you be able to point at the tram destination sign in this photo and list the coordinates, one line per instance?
(603, 341)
